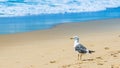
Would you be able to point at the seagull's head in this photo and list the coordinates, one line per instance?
(75, 38)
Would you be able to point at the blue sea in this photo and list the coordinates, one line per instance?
(18, 16)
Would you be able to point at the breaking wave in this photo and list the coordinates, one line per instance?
(35, 7)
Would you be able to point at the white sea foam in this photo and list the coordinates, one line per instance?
(34, 7)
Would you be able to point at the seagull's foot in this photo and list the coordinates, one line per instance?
(80, 62)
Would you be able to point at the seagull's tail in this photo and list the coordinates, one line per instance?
(90, 51)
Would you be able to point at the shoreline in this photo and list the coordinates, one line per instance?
(53, 48)
(82, 24)
(49, 21)
(54, 26)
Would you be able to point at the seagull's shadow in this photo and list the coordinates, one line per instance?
(88, 60)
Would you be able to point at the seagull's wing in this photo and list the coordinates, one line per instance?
(80, 48)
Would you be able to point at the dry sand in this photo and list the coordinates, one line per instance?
(53, 48)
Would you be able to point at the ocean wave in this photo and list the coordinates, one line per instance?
(35, 7)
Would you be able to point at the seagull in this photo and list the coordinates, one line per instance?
(81, 49)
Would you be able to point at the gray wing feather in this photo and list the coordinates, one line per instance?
(80, 48)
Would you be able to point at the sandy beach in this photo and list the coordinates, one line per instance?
(53, 48)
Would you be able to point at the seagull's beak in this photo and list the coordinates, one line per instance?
(71, 38)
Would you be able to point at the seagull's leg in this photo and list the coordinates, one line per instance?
(81, 57)
(78, 56)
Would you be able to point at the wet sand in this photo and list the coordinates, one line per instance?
(53, 48)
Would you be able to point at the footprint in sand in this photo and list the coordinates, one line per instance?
(88, 60)
(75, 65)
(118, 51)
(66, 66)
(99, 63)
(63, 50)
(100, 58)
(115, 54)
(115, 66)
(53, 61)
(42, 56)
(17, 61)
(31, 66)
(106, 48)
